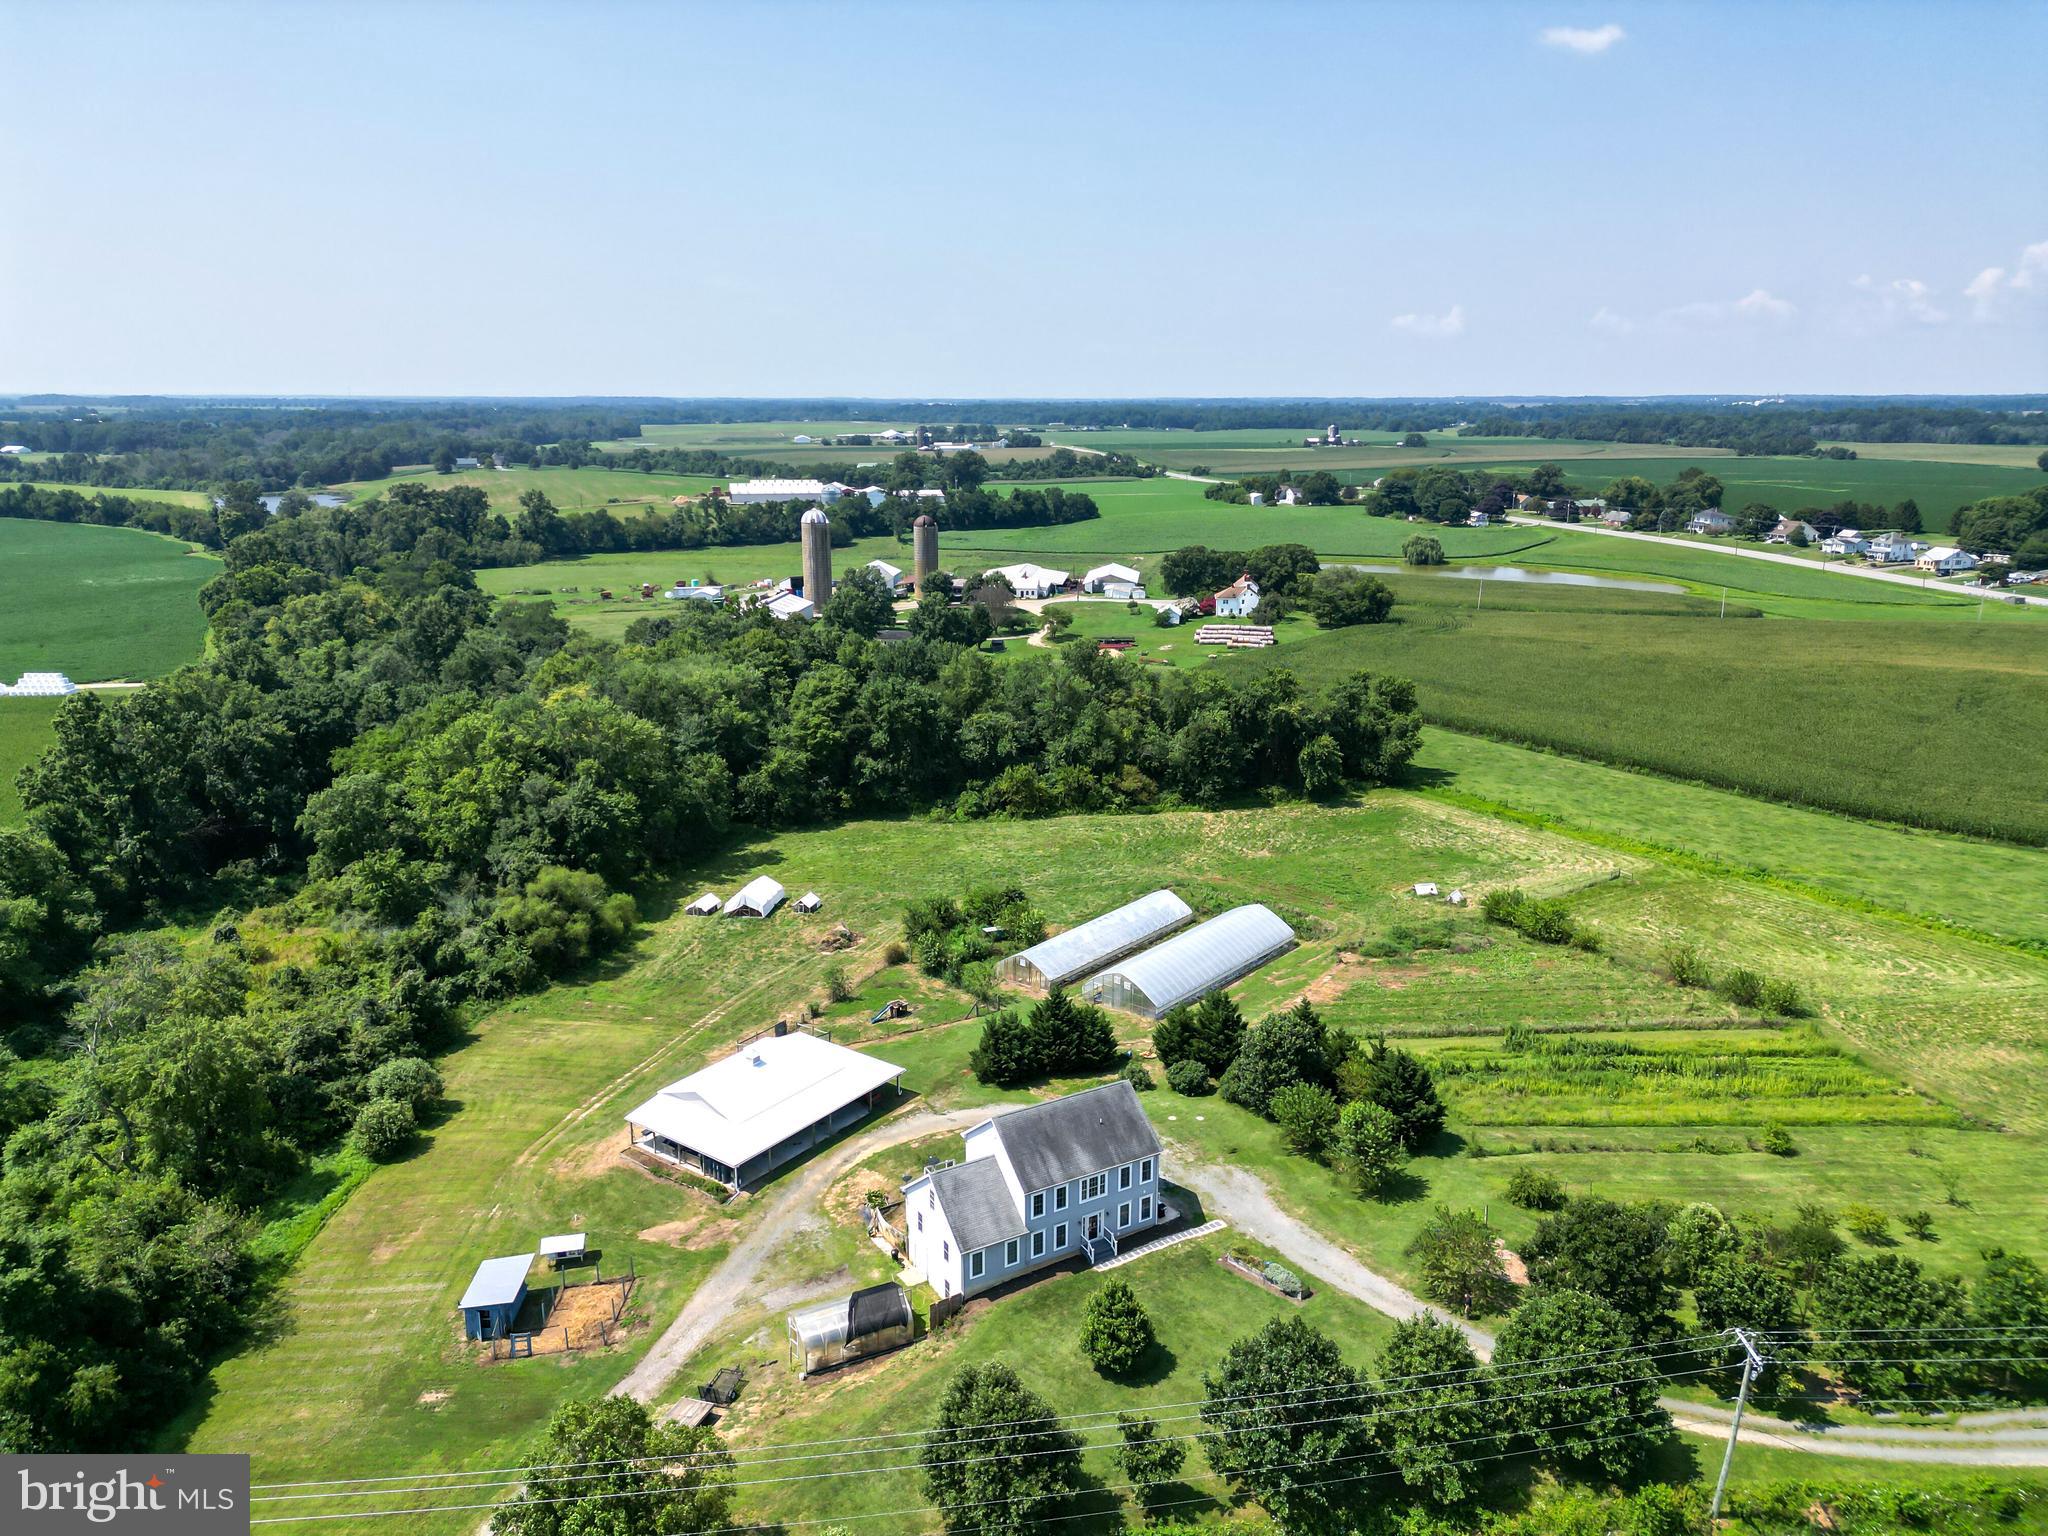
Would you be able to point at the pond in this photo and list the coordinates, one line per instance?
(1520, 573)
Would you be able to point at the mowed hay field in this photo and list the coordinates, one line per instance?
(27, 728)
(571, 490)
(135, 492)
(364, 1373)
(98, 603)
(1935, 725)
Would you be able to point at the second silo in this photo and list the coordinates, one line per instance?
(924, 539)
(817, 537)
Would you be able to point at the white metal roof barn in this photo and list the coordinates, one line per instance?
(1205, 957)
(1066, 957)
(757, 898)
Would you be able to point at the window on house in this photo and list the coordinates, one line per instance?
(1123, 1177)
(1038, 1244)
(946, 1250)
(1145, 1209)
(1059, 1235)
(1010, 1253)
(1059, 1198)
(920, 1221)
(1094, 1186)
(1145, 1171)
(1123, 1214)
(931, 1199)
(974, 1265)
(1038, 1203)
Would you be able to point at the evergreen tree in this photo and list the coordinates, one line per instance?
(1115, 1332)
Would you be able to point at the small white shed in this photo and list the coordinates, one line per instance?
(757, 898)
(564, 1248)
(810, 901)
(1456, 898)
(707, 905)
(1425, 887)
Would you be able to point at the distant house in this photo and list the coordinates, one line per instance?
(697, 591)
(1028, 580)
(495, 1294)
(1848, 542)
(803, 437)
(757, 898)
(1102, 575)
(1289, 496)
(1946, 560)
(1476, 519)
(750, 1112)
(1073, 1177)
(13, 447)
(1123, 592)
(1890, 549)
(875, 494)
(1786, 527)
(1237, 600)
(469, 463)
(1711, 520)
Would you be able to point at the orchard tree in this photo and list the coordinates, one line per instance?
(1581, 1393)
(1892, 1326)
(1435, 1410)
(995, 1461)
(1285, 1049)
(1369, 1144)
(1307, 1116)
(605, 1468)
(1283, 1413)
(1115, 1332)
(1147, 1462)
(1605, 1249)
(1458, 1257)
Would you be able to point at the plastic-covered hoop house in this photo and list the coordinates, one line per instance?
(869, 1322)
(1066, 957)
(1205, 957)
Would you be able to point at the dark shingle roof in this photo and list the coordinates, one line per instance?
(977, 1203)
(1082, 1133)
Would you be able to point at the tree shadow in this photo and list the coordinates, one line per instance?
(1402, 1187)
(1153, 1367)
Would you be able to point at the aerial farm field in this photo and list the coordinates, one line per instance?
(137, 492)
(571, 490)
(98, 603)
(27, 728)
(1920, 1084)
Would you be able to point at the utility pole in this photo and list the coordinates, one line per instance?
(1752, 1364)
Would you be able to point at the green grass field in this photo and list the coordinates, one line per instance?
(139, 493)
(1917, 1030)
(2011, 455)
(26, 731)
(1930, 725)
(571, 490)
(98, 603)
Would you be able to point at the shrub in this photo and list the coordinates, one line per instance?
(1058, 1037)
(1543, 919)
(1136, 1074)
(1685, 965)
(1190, 1078)
(1211, 1032)
(1307, 1116)
(1778, 1141)
(1919, 1225)
(1399, 1083)
(1866, 1222)
(1534, 1190)
(1283, 1279)
(1286, 1049)
(1743, 987)
(383, 1129)
(1423, 549)
(837, 987)
(895, 953)
(1115, 1332)
(1782, 999)
(408, 1079)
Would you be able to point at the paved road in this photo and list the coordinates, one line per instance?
(1244, 1200)
(1868, 573)
(789, 1208)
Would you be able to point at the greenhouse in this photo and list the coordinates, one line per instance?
(1207, 956)
(869, 1322)
(1066, 957)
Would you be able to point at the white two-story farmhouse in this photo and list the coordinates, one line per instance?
(1038, 1185)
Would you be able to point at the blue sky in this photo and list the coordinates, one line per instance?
(995, 199)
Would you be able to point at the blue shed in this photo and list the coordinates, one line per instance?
(495, 1292)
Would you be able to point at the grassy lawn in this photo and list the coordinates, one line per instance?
(1989, 887)
(26, 731)
(98, 603)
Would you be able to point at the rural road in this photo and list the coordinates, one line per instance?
(1896, 578)
(790, 1208)
(2002, 1440)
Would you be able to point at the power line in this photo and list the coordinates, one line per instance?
(1365, 1416)
(1435, 1380)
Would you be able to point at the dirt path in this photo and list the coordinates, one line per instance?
(1243, 1199)
(790, 1208)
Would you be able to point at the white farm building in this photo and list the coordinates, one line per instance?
(1105, 576)
(1199, 960)
(769, 1101)
(39, 685)
(1080, 951)
(740, 492)
(757, 898)
(1028, 580)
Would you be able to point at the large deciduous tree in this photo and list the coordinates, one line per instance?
(996, 1461)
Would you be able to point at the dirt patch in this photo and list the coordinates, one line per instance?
(1394, 977)
(1511, 1263)
(586, 1317)
(433, 1397)
(1334, 982)
(590, 1162)
(703, 1230)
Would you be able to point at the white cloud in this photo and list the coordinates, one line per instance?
(1605, 319)
(1583, 39)
(1993, 291)
(1904, 298)
(1450, 323)
(1758, 306)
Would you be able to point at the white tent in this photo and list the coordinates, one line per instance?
(810, 901)
(757, 898)
(707, 905)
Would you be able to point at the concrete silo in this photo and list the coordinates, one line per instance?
(924, 539)
(817, 536)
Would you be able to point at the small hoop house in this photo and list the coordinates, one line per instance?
(707, 905)
(869, 1322)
